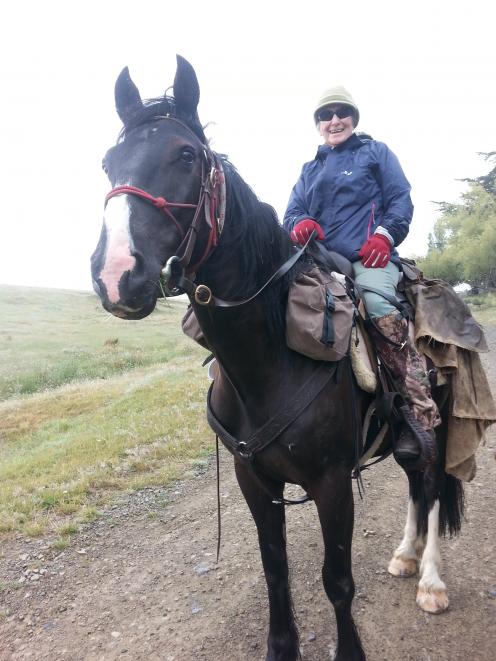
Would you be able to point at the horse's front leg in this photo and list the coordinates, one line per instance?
(431, 592)
(282, 642)
(334, 499)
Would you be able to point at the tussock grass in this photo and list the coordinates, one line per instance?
(75, 440)
(61, 543)
(67, 529)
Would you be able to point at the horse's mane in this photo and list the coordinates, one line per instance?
(265, 246)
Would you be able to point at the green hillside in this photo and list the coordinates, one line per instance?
(50, 337)
(91, 405)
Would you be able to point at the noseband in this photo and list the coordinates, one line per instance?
(158, 202)
(211, 199)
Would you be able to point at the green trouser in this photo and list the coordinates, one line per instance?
(406, 364)
(385, 279)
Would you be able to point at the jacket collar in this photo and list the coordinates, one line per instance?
(353, 142)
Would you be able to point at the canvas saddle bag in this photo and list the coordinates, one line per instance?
(319, 315)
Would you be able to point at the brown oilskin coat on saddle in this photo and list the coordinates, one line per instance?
(447, 333)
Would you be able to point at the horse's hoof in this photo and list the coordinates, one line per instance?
(432, 600)
(402, 567)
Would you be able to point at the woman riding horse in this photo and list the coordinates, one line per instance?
(356, 198)
(284, 417)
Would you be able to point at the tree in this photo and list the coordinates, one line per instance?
(462, 245)
(487, 181)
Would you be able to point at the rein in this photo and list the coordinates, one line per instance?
(203, 294)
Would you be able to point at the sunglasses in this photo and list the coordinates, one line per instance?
(326, 114)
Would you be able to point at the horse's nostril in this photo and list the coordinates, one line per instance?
(140, 260)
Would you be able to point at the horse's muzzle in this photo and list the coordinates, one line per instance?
(130, 307)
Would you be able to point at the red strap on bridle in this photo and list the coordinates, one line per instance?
(159, 202)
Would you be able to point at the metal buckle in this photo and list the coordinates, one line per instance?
(166, 274)
(167, 270)
(203, 295)
(242, 450)
(213, 177)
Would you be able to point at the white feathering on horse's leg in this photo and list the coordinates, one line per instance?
(431, 593)
(404, 561)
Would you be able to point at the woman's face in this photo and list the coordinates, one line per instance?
(337, 130)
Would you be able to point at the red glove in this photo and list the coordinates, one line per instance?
(376, 251)
(302, 230)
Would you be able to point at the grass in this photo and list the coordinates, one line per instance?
(68, 529)
(92, 406)
(61, 543)
(483, 308)
(52, 337)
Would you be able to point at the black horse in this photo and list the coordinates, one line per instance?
(285, 418)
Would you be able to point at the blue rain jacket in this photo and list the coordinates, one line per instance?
(352, 190)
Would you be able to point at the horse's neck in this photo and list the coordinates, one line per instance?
(243, 337)
(222, 276)
(241, 340)
(251, 247)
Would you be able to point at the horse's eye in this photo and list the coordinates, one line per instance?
(104, 166)
(187, 156)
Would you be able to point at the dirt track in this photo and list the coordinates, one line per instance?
(141, 582)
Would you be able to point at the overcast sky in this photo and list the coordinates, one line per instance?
(422, 74)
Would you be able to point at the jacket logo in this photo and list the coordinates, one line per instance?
(348, 174)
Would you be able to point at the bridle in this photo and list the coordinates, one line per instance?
(211, 201)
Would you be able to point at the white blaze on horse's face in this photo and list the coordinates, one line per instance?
(119, 247)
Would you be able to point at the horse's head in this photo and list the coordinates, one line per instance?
(160, 171)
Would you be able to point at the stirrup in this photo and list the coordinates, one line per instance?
(407, 447)
(415, 434)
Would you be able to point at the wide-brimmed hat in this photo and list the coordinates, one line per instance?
(337, 94)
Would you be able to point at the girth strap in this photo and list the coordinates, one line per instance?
(286, 415)
(273, 428)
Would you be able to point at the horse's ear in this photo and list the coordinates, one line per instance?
(186, 88)
(127, 97)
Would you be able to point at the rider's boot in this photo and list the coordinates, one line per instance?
(407, 367)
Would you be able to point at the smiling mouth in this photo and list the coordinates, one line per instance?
(333, 131)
